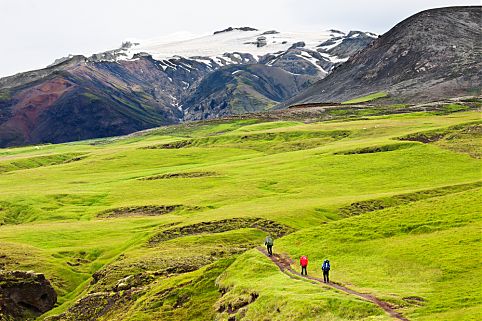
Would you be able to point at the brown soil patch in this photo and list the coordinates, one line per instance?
(377, 149)
(95, 305)
(147, 210)
(275, 229)
(473, 129)
(179, 175)
(414, 300)
(361, 207)
(173, 145)
(234, 306)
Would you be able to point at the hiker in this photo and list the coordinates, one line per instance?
(304, 264)
(269, 244)
(326, 271)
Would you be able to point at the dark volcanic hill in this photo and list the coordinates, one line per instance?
(243, 89)
(432, 55)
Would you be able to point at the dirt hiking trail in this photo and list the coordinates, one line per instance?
(284, 264)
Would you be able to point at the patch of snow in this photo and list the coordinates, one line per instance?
(228, 60)
(204, 60)
(312, 60)
(217, 60)
(335, 59)
(183, 67)
(169, 64)
(328, 47)
(162, 65)
(276, 55)
(332, 58)
(304, 54)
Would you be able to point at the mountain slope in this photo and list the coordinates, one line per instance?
(80, 100)
(144, 85)
(243, 89)
(433, 54)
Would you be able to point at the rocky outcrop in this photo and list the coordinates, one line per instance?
(25, 295)
(347, 45)
(261, 41)
(232, 29)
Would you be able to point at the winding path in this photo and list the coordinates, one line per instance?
(284, 264)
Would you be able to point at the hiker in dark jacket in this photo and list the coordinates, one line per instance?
(269, 244)
(304, 264)
(326, 271)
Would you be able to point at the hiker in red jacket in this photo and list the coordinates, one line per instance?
(304, 264)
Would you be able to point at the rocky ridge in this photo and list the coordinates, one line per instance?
(24, 295)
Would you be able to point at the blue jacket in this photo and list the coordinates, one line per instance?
(326, 265)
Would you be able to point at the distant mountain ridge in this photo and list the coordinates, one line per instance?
(143, 85)
(432, 55)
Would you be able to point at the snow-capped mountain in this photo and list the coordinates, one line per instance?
(241, 46)
(149, 83)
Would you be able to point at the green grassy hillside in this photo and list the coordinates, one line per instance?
(163, 225)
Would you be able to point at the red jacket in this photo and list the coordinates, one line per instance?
(303, 261)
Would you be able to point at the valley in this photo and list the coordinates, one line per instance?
(127, 228)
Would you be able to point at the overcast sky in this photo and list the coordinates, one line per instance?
(33, 33)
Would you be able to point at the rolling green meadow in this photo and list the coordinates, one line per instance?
(164, 224)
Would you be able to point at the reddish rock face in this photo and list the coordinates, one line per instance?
(33, 101)
(25, 295)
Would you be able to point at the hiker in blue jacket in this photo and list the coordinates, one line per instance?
(326, 271)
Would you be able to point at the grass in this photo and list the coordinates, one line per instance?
(38, 161)
(282, 298)
(462, 138)
(416, 204)
(416, 250)
(5, 95)
(454, 108)
(366, 98)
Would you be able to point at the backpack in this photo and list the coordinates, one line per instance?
(326, 266)
(269, 241)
